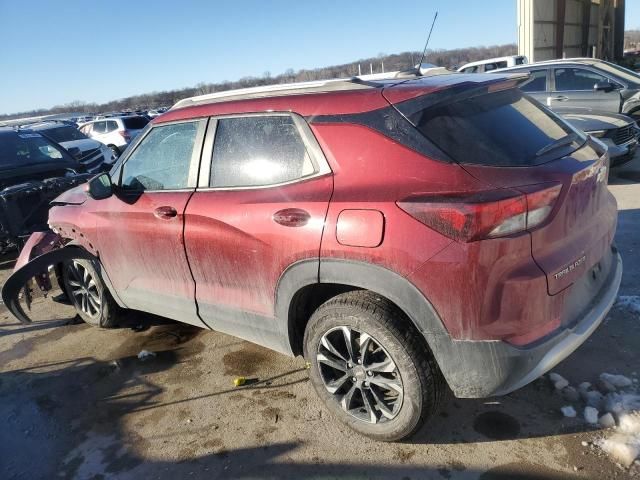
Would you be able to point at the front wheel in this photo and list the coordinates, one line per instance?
(369, 367)
(88, 294)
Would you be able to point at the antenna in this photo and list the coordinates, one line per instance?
(424, 52)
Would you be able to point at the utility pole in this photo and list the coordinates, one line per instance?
(382, 66)
(371, 68)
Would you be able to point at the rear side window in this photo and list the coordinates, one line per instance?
(162, 159)
(537, 82)
(258, 151)
(504, 128)
(112, 126)
(135, 123)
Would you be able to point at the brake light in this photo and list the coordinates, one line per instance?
(125, 134)
(489, 214)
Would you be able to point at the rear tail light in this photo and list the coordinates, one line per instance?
(490, 214)
(125, 134)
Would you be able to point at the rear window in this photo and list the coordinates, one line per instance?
(504, 128)
(135, 123)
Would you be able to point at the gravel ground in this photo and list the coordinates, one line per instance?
(76, 402)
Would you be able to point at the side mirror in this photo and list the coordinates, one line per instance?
(603, 87)
(100, 187)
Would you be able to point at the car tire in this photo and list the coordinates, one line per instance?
(88, 294)
(402, 394)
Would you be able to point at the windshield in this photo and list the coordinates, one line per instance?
(504, 128)
(22, 148)
(620, 72)
(64, 134)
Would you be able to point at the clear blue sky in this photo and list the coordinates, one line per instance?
(54, 52)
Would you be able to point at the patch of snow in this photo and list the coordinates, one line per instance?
(584, 387)
(556, 377)
(145, 355)
(631, 302)
(623, 448)
(568, 411)
(593, 399)
(619, 381)
(591, 415)
(607, 421)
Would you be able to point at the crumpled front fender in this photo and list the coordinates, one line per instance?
(42, 250)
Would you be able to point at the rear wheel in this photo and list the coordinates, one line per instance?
(369, 367)
(88, 294)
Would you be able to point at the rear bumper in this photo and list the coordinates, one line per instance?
(476, 369)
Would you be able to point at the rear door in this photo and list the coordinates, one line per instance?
(573, 87)
(141, 241)
(260, 207)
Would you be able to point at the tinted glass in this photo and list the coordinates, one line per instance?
(64, 134)
(135, 123)
(537, 82)
(504, 128)
(620, 72)
(112, 126)
(161, 161)
(254, 151)
(519, 60)
(27, 148)
(576, 79)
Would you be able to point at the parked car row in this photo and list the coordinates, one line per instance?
(115, 132)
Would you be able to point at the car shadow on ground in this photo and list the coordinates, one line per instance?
(54, 408)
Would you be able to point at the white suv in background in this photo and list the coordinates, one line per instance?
(115, 132)
(490, 64)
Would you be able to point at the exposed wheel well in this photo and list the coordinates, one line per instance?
(304, 303)
(307, 300)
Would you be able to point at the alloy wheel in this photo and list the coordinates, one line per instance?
(360, 374)
(83, 289)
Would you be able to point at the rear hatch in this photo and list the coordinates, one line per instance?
(518, 147)
(134, 125)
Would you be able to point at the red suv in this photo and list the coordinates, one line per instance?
(404, 235)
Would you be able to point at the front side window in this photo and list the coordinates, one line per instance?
(568, 79)
(537, 82)
(162, 159)
(258, 151)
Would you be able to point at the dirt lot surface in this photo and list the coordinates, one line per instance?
(76, 402)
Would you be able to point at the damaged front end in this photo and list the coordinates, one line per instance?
(24, 207)
(43, 253)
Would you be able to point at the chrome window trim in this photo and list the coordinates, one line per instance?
(318, 159)
(194, 162)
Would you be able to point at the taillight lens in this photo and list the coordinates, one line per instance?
(126, 135)
(489, 214)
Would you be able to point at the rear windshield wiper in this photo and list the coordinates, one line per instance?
(570, 138)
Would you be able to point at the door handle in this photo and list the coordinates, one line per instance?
(292, 217)
(560, 98)
(165, 213)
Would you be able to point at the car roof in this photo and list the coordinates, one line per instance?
(334, 97)
(558, 61)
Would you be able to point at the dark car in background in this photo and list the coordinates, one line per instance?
(93, 155)
(619, 132)
(33, 171)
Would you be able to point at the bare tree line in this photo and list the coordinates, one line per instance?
(397, 61)
(632, 39)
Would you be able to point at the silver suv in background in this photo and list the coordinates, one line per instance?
(587, 84)
(93, 155)
(115, 132)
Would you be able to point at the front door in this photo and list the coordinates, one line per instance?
(574, 89)
(141, 241)
(259, 208)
